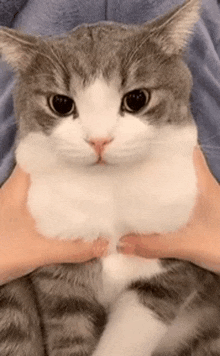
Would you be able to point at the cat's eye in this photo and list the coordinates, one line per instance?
(61, 104)
(135, 100)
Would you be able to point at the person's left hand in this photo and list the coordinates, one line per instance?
(199, 240)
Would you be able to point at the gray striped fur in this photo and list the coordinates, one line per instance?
(55, 311)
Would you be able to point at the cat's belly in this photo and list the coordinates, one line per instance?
(111, 205)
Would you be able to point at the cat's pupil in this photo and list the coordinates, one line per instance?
(61, 104)
(135, 100)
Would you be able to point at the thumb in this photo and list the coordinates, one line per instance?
(76, 251)
(153, 245)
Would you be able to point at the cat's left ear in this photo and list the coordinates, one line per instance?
(17, 48)
(172, 31)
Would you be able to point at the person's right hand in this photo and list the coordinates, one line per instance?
(22, 248)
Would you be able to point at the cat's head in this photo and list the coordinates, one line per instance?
(105, 93)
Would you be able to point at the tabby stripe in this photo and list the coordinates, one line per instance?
(153, 289)
(42, 274)
(9, 302)
(12, 333)
(57, 308)
(60, 306)
(79, 353)
(65, 342)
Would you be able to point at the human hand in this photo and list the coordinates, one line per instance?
(199, 240)
(22, 248)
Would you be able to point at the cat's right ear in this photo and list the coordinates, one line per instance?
(17, 48)
(173, 30)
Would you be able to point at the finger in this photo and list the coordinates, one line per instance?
(73, 251)
(150, 246)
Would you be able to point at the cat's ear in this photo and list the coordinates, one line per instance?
(17, 48)
(173, 31)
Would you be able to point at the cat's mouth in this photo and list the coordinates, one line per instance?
(101, 161)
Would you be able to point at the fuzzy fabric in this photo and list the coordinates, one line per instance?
(9, 9)
(58, 16)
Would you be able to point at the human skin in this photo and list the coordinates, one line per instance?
(199, 240)
(22, 248)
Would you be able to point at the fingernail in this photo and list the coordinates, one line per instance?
(125, 247)
(127, 239)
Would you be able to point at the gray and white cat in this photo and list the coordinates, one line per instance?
(106, 133)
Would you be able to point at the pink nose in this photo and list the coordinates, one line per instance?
(99, 144)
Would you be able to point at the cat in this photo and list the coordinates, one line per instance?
(106, 133)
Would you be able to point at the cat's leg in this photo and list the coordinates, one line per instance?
(132, 329)
(20, 333)
(72, 317)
